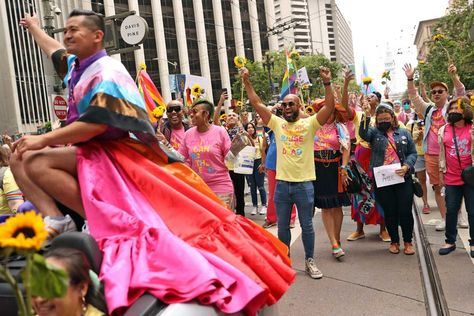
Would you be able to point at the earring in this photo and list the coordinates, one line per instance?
(84, 305)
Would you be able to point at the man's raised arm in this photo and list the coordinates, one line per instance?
(47, 44)
(254, 99)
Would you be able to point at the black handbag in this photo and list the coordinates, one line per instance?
(417, 189)
(467, 174)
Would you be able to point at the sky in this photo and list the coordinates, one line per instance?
(378, 23)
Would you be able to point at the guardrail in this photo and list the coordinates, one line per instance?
(435, 301)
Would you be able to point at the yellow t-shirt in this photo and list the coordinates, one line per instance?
(9, 188)
(294, 141)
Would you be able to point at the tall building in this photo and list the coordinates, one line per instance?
(314, 26)
(198, 37)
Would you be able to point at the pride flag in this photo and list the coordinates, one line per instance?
(289, 78)
(150, 93)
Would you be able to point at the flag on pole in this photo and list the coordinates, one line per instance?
(150, 93)
(289, 78)
(366, 89)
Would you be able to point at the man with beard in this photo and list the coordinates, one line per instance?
(295, 166)
(435, 118)
(173, 128)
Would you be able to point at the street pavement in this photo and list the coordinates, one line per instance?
(371, 281)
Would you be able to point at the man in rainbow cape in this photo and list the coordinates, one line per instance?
(160, 228)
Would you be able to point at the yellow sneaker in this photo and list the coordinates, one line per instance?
(385, 236)
(356, 236)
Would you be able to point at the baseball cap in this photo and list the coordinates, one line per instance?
(439, 83)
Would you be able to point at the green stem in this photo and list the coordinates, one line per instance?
(242, 90)
(446, 51)
(22, 311)
(27, 282)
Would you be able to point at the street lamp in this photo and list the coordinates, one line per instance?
(175, 65)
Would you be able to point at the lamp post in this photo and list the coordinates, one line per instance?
(175, 65)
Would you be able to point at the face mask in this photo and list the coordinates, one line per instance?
(384, 126)
(454, 117)
(406, 106)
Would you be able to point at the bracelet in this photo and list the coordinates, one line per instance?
(327, 83)
(410, 79)
(345, 167)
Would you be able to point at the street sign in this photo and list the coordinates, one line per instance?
(60, 106)
(134, 29)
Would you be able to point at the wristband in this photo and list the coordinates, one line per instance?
(327, 83)
(410, 79)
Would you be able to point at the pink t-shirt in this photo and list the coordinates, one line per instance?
(205, 153)
(177, 137)
(391, 156)
(463, 137)
(326, 138)
(437, 120)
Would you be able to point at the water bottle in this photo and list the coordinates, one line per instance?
(443, 191)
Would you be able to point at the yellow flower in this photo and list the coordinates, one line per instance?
(239, 104)
(421, 62)
(142, 66)
(438, 37)
(294, 56)
(367, 80)
(196, 90)
(223, 117)
(25, 231)
(472, 100)
(386, 75)
(240, 61)
(309, 110)
(159, 111)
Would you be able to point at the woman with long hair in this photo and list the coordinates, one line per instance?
(257, 178)
(455, 141)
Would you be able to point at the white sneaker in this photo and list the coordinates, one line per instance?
(85, 228)
(462, 222)
(263, 210)
(254, 210)
(57, 227)
(441, 226)
(312, 269)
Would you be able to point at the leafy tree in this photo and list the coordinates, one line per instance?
(260, 78)
(455, 43)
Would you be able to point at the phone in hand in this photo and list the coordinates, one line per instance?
(224, 90)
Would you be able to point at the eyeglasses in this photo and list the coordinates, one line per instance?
(287, 104)
(171, 109)
(440, 91)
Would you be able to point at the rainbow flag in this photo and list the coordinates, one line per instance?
(150, 93)
(289, 78)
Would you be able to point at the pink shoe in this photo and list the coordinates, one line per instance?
(426, 209)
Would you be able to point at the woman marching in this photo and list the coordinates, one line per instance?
(390, 145)
(331, 156)
(455, 141)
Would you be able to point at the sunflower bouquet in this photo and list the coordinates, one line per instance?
(23, 235)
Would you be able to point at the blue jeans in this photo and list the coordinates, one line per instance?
(301, 194)
(255, 181)
(454, 195)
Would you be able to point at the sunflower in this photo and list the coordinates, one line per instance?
(196, 90)
(159, 111)
(472, 100)
(438, 37)
(294, 56)
(421, 62)
(25, 231)
(240, 61)
(367, 80)
(239, 104)
(386, 75)
(223, 117)
(309, 110)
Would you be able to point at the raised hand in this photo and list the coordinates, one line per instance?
(244, 74)
(29, 20)
(348, 76)
(452, 69)
(409, 71)
(325, 74)
(365, 105)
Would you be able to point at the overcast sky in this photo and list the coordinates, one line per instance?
(375, 23)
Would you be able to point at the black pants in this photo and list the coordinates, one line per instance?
(239, 186)
(396, 201)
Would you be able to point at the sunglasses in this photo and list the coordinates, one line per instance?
(287, 104)
(440, 91)
(172, 109)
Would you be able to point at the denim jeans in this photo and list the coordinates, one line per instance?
(454, 195)
(255, 181)
(301, 194)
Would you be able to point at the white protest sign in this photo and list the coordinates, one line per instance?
(385, 175)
